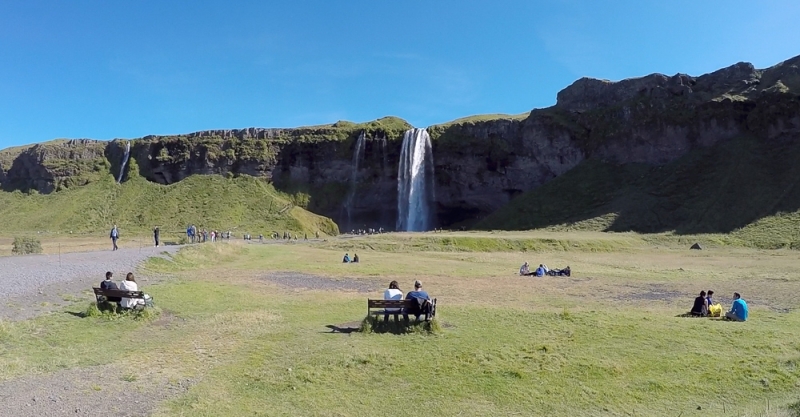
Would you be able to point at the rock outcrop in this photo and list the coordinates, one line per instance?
(480, 165)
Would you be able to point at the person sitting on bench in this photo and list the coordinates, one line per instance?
(739, 311)
(392, 293)
(130, 285)
(108, 284)
(422, 302)
(700, 307)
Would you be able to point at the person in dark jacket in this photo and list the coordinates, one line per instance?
(700, 307)
(155, 235)
(108, 284)
(422, 305)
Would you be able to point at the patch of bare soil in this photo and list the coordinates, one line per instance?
(95, 391)
(315, 282)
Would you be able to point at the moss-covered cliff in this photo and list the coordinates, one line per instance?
(481, 163)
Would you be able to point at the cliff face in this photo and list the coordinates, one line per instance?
(52, 166)
(480, 165)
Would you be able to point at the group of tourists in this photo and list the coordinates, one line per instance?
(128, 284)
(421, 305)
(289, 235)
(203, 235)
(543, 270)
(704, 306)
(348, 260)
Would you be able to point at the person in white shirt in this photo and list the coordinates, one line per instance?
(130, 285)
(392, 293)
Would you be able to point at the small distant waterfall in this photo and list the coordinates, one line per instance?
(124, 162)
(415, 182)
(358, 155)
(385, 159)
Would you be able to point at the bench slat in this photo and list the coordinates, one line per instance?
(388, 303)
(118, 293)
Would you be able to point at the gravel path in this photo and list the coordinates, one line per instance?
(34, 284)
(94, 391)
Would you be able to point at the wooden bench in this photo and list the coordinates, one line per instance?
(114, 296)
(384, 307)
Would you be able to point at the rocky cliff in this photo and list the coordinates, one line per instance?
(480, 164)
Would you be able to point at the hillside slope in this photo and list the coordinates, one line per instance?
(745, 187)
(243, 204)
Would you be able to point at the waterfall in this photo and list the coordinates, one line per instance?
(124, 161)
(358, 154)
(415, 182)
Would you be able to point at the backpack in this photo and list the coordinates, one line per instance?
(420, 306)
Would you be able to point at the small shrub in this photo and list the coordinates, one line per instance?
(92, 311)
(26, 245)
(110, 311)
(376, 324)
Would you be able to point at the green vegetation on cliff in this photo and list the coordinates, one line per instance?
(243, 204)
(745, 188)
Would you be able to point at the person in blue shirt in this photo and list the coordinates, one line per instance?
(114, 235)
(738, 309)
(540, 271)
(346, 259)
(423, 302)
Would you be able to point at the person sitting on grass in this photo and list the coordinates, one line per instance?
(700, 307)
(714, 309)
(422, 302)
(355, 258)
(524, 270)
(739, 310)
(540, 271)
(346, 259)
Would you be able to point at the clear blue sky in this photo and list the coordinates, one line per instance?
(124, 69)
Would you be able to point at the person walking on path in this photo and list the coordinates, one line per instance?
(155, 235)
(114, 235)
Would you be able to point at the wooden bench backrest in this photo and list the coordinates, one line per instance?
(118, 293)
(389, 303)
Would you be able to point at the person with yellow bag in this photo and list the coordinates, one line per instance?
(714, 309)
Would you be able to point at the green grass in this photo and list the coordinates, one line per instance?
(242, 204)
(581, 346)
(484, 118)
(745, 189)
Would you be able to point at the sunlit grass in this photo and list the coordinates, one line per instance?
(604, 342)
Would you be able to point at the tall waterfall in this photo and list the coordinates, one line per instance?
(415, 182)
(358, 155)
(124, 161)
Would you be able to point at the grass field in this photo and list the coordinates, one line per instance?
(606, 341)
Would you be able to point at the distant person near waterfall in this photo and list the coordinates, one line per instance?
(114, 235)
